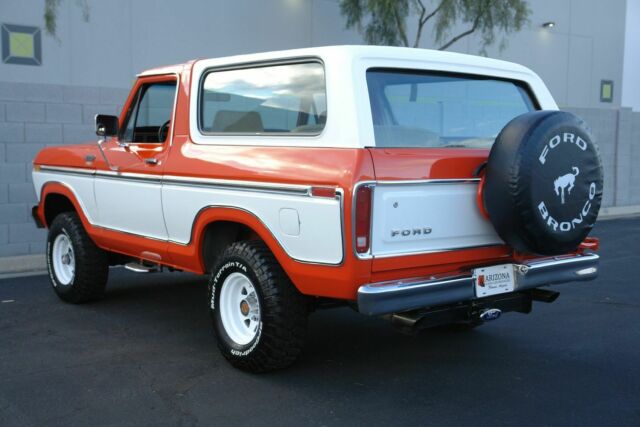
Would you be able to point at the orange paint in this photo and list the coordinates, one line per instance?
(325, 168)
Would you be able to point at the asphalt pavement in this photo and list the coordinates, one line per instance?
(145, 355)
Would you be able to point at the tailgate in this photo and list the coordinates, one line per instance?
(424, 201)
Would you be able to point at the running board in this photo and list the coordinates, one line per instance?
(137, 267)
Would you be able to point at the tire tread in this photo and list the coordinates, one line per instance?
(284, 315)
(92, 264)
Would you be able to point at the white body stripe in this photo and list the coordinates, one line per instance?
(80, 185)
(448, 210)
(167, 211)
(320, 237)
(131, 206)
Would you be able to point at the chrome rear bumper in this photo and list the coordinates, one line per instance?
(399, 296)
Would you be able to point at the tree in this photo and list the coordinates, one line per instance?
(385, 21)
(51, 14)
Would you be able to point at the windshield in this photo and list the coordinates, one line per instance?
(426, 109)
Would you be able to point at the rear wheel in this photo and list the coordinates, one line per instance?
(78, 269)
(259, 317)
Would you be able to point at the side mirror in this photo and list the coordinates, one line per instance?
(106, 125)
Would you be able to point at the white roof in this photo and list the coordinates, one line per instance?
(364, 53)
(349, 122)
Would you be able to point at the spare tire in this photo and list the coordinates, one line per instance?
(543, 182)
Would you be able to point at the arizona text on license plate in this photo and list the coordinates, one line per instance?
(497, 279)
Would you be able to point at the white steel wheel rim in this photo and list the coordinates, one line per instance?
(239, 308)
(63, 259)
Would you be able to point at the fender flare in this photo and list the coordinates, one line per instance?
(211, 214)
(55, 187)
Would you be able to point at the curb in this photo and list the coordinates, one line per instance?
(616, 212)
(25, 265)
(32, 265)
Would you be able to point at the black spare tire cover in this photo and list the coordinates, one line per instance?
(543, 182)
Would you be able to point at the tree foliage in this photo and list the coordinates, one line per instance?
(385, 21)
(51, 8)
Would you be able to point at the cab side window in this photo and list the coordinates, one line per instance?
(149, 117)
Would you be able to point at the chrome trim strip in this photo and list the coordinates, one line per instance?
(129, 233)
(70, 170)
(175, 108)
(343, 231)
(435, 251)
(295, 189)
(162, 71)
(129, 176)
(304, 190)
(429, 181)
(411, 294)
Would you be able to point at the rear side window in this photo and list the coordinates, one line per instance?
(422, 109)
(274, 99)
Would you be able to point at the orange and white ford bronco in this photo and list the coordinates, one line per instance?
(429, 187)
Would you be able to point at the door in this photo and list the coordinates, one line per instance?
(129, 198)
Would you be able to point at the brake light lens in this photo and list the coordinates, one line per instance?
(363, 219)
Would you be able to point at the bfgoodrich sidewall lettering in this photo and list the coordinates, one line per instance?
(50, 269)
(229, 267)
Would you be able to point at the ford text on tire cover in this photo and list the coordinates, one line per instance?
(429, 187)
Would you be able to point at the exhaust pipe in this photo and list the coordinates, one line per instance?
(485, 310)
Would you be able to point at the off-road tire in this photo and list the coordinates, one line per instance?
(91, 262)
(283, 310)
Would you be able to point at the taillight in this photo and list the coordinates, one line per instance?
(363, 219)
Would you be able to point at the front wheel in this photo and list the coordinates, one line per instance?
(259, 317)
(78, 269)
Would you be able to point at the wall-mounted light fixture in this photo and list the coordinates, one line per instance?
(606, 90)
(21, 45)
(549, 24)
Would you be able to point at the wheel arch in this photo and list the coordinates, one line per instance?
(216, 227)
(56, 198)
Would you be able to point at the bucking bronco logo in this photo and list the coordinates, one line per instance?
(564, 222)
(567, 182)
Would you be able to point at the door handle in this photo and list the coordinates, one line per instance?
(151, 161)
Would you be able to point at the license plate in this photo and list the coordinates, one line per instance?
(497, 279)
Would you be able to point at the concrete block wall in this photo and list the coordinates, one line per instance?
(634, 172)
(33, 116)
(617, 132)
